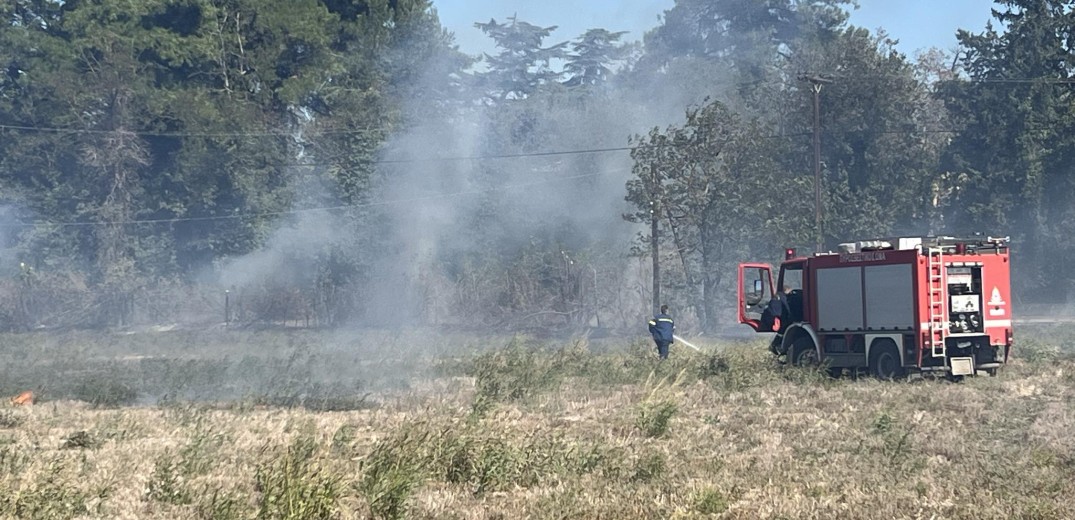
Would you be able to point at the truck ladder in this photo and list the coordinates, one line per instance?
(938, 307)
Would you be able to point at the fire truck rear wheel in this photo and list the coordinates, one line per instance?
(885, 360)
(803, 353)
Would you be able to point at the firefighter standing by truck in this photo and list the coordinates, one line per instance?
(662, 328)
(777, 316)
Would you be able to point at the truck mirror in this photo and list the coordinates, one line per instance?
(754, 297)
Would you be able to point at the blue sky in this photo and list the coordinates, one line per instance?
(917, 24)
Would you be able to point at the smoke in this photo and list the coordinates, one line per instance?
(285, 253)
(8, 239)
(468, 184)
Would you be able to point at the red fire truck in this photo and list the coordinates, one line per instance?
(889, 306)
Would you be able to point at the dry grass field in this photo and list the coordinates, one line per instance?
(229, 425)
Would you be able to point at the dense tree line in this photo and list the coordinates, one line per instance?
(341, 161)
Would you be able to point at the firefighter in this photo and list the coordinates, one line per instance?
(777, 316)
(662, 328)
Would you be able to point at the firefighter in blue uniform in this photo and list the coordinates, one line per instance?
(776, 317)
(662, 328)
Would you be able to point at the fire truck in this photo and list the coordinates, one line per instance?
(890, 306)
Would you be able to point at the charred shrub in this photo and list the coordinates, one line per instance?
(102, 392)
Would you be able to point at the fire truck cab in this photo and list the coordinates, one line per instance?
(888, 306)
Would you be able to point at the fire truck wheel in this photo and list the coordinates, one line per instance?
(885, 360)
(803, 353)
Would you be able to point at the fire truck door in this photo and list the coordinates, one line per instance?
(755, 291)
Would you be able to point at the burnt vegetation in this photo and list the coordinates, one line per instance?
(532, 428)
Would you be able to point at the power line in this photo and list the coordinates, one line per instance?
(586, 151)
(150, 133)
(511, 155)
(408, 200)
(350, 131)
(1055, 81)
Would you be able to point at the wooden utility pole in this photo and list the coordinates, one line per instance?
(816, 81)
(654, 215)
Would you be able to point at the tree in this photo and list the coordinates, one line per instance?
(592, 57)
(168, 135)
(881, 137)
(1016, 147)
(522, 65)
(739, 45)
(721, 197)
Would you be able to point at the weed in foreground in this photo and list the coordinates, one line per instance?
(167, 484)
(343, 438)
(81, 440)
(654, 419)
(709, 501)
(171, 473)
(513, 374)
(393, 470)
(649, 467)
(11, 419)
(222, 505)
(485, 464)
(294, 487)
(656, 411)
(896, 444)
(49, 498)
(13, 461)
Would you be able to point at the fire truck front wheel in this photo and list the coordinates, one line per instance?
(803, 352)
(885, 360)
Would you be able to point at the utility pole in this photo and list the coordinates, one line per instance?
(654, 215)
(816, 81)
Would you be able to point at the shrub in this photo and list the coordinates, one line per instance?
(512, 374)
(485, 464)
(167, 484)
(11, 419)
(81, 440)
(655, 414)
(649, 466)
(295, 487)
(102, 392)
(713, 365)
(342, 439)
(196, 458)
(393, 470)
(1037, 351)
(654, 419)
(221, 505)
(49, 498)
(896, 439)
(710, 502)
(13, 460)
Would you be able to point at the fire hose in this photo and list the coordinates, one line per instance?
(685, 342)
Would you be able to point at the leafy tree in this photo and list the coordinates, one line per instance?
(721, 196)
(1013, 159)
(523, 64)
(198, 118)
(592, 56)
(736, 49)
(881, 135)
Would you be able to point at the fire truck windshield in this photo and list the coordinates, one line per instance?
(791, 276)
